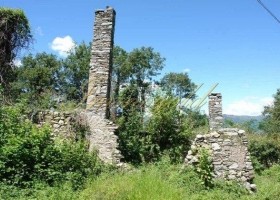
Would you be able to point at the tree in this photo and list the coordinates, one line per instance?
(37, 80)
(14, 35)
(271, 123)
(166, 131)
(144, 63)
(178, 84)
(75, 73)
(120, 70)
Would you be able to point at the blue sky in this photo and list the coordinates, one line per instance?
(234, 43)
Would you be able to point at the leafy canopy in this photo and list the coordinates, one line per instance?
(271, 123)
(178, 84)
(15, 35)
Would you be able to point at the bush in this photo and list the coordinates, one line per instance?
(164, 133)
(167, 130)
(265, 151)
(204, 168)
(29, 154)
(24, 149)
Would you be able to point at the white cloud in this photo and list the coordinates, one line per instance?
(17, 62)
(39, 31)
(63, 45)
(187, 70)
(251, 106)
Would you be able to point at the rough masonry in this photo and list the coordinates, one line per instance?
(215, 111)
(102, 131)
(228, 148)
(61, 122)
(229, 154)
(99, 86)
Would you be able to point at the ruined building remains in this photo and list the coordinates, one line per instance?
(227, 147)
(102, 137)
(99, 86)
(215, 111)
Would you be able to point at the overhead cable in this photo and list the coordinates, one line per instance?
(271, 13)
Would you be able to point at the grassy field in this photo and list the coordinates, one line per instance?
(158, 181)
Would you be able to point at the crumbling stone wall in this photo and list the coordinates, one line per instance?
(229, 153)
(215, 111)
(102, 137)
(228, 147)
(101, 63)
(60, 122)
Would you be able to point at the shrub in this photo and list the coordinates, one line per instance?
(24, 148)
(265, 151)
(29, 154)
(163, 133)
(204, 168)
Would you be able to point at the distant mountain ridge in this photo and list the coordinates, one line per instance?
(242, 118)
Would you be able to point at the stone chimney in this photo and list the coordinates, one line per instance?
(99, 86)
(215, 111)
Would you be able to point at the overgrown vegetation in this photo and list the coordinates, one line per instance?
(15, 34)
(30, 154)
(154, 181)
(204, 168)
(154, 138)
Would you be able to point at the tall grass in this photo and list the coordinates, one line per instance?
(159, 181)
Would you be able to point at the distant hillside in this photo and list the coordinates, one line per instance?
(242, 118)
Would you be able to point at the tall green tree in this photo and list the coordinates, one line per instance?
(271, 123)
(15, 34)
(166, 130)
(37, 80)
(144, 64)
(75, 73)
(178, 84)
(120, 70)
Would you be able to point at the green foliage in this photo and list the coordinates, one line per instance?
(178, 84)
(143, 64)
(74, 163)
(271, 123)
(162, 133)
(204, 168)
(264, 150)
(74, 73)
(146, 183)
(268, 184)
(166, 130)
(120, 71)
(29, 154)
(15, 34)
(154, 181)
(24, 149)
(129, 100)
(37, 81)
(133, 142)
(229, 123)
(196, 121)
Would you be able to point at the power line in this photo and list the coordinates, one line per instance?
(262, 4)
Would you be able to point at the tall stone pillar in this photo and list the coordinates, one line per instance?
(215, 111)
(101, 63)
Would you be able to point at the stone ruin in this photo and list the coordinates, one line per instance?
(102, 137)
(101, 134)
(99, 86)
(228, 148)
(215, 111)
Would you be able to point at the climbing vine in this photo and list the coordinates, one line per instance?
(15, 34)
